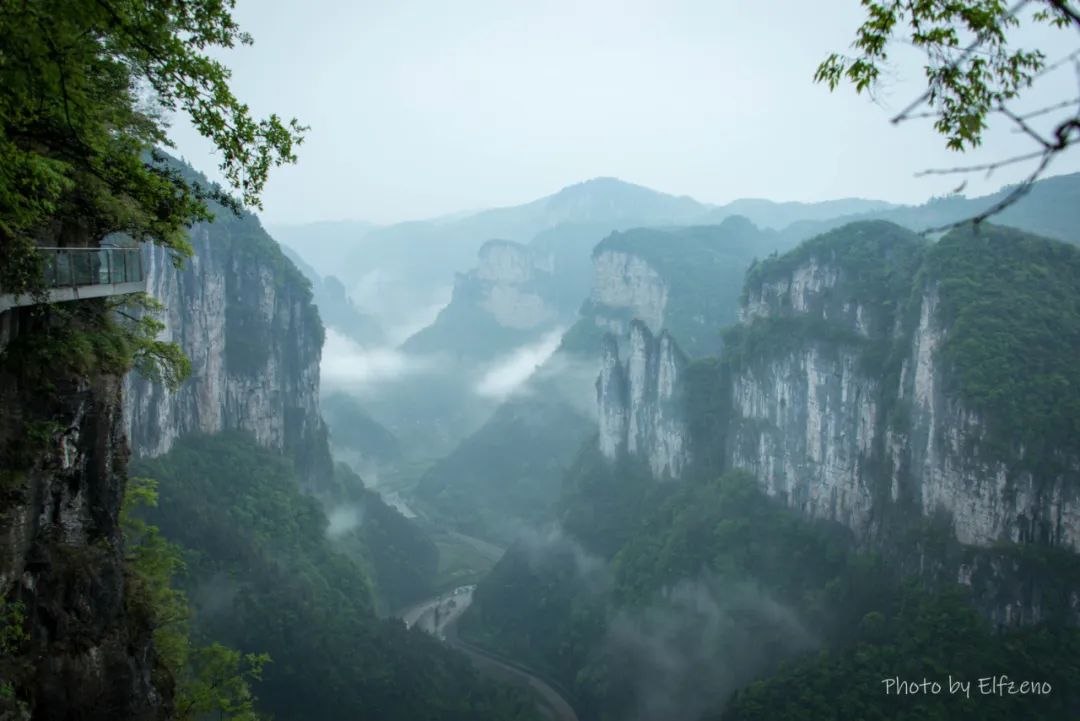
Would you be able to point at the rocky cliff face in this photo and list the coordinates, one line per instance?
(806, 425)
(86, 654)
(857, 409)
(511, 277)
(625, 287)
(943, 458)
(655, 293)
(639, 401)
(860, 387)
(243, 315)
(512, 297)
(683, 280)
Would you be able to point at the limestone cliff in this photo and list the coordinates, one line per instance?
(626, 287)
(656, 292)
(639, 401)
(806, 407)
(87, 652)
(509, 273)
(894, 386)
(914, 391)
(944, 457)
(243, 315)
(858, 408)
(511, 297)
(683, 280)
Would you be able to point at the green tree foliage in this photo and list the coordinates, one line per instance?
(12, 636)
(602, 502)
(264, 574)
(12, 630)
(210, 679)
(220, 683)
(717, 526)
(108, 335)
(1011, 305)
(552, 604)
(973, 68)
(557, 607)
(510, 470)
(85, 87)
(928, 636)
(400, 558)
(354, 430)
(154, 359)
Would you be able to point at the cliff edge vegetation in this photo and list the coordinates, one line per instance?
(85, 88)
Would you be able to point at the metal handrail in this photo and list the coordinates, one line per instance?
(74, 267)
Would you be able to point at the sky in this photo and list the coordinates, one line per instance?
(419, 109)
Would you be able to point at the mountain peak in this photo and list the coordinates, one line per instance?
(606, 195)
(605, 184)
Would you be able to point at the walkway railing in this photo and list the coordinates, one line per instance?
(91, 266)
(79, 273)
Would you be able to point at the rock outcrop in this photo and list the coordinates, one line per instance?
(639, 401)
(853, 393)
(683, 280)
(857, 408)
(512, 277)
(243, 315)
(626, 287)
(86, 651)
(510, 298)
(943, 457)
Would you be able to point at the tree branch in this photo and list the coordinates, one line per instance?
(1062, 6)
(990, 167)
(1024, 127)
(1014, 195)
(1050, 108)
(971, 49)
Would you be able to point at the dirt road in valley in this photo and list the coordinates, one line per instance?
(438, 616)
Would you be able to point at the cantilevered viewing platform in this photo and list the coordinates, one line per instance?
(80, 273)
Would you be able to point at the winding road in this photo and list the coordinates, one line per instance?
(438, 616)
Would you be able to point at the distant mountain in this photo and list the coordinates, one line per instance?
(685, 281)
(400, 268)
(325, 244)
(610, 200)
(774, 215)
(396, 272)
(1051, 208)
(335, 308)
(512, 296)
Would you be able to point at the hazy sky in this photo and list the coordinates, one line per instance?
(422, 108)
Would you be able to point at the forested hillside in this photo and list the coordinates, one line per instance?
(268, 573)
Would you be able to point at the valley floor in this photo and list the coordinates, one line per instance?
(439, 615)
